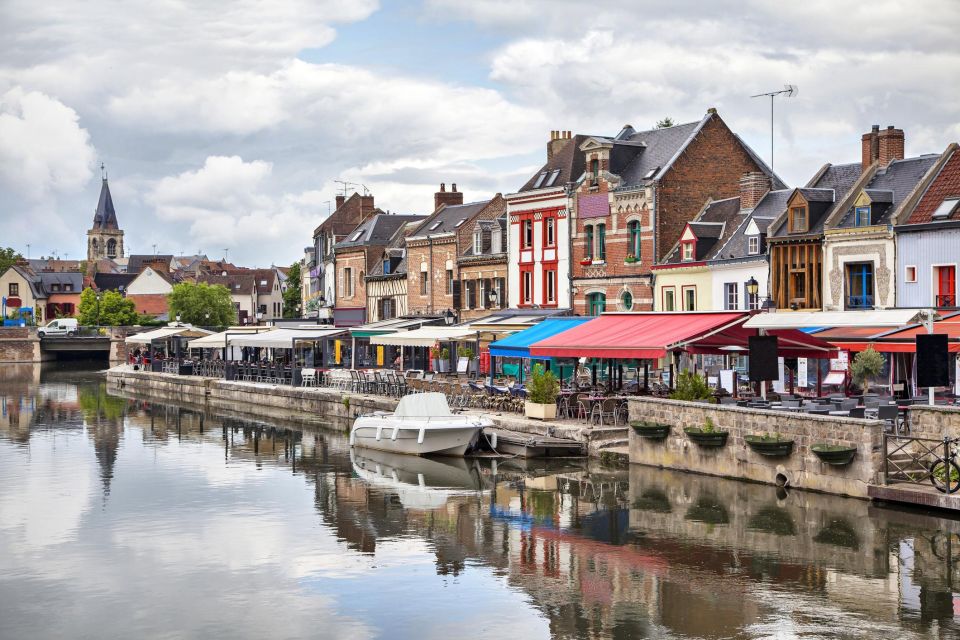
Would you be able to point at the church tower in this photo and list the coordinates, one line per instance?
(104, 239)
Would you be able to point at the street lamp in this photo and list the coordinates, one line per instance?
(449, 317)
(493, 298)
(178, 318)
(259, 316)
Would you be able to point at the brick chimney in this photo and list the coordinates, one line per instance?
(870, 147)
(449, 198)
(753, 186)
(890, 143)
(340, 201)
(558, 140)
(366, 207)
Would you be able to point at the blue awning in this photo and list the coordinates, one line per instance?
(518, 344)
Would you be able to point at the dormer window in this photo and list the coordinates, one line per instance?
(946, 209)
(753, 245)
(862, 216)
(386, 267)
(495, 240)
(798, 220)
(686, 251)
(477, 242)
(595, 171)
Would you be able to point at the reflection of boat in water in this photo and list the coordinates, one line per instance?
(420, 483)
(422, 424)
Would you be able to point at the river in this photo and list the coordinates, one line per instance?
(122, 517)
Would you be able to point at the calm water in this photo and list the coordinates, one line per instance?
(121, 518)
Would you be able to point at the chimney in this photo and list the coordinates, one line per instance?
(890, 143)
(870, 147)
(753, 186)
(366, 207)
(340, 200)
(558, 140)
(444, 197)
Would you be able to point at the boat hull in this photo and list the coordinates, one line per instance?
(449, 438)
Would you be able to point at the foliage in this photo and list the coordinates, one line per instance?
(708, 426)
(192, 302)
(146, 320)
(543, 387)
(691, 386)
(865, 366)
(445, 353)
(465, 352)
(665, 123)
(292, 297)
(630, 259)
(766, 437)
(113, 310)
(435, 351)
(8, 258)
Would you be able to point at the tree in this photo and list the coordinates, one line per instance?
(292, 297)
(666, 123)
(866, 366)
(193, 302)
(113, 310)
(8, 258)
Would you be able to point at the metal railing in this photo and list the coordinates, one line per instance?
(946, 301)
(860, 302)
(912, 459)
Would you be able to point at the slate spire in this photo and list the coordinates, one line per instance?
(105, 216)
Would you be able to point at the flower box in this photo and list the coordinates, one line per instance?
(772, 446)
(834, 454)
(651, 430)
(707, 438)
(586, 262)
(540, 411)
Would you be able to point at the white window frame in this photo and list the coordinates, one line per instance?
(673, 298)
(683, 295)
(477, 242)
(906, 273)
(527, 284)
(551, 232)
(731, 303)
(686, 251)
(551, 286)
(753, 245)
(496, 240)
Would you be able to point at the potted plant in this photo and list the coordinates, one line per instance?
(435, 357)
(770, 445)
(542, 391)
(467, 352)
(835, 454)
(866, 366)
(630, 259)
(444, 360)
(586, 262)
(708, 435)
(650, 430)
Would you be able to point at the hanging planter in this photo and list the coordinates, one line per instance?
(707, 439)
(767, 445)
(650, 430)
(835, 454)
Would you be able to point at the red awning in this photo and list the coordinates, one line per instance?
(653, 335)
(901, 340)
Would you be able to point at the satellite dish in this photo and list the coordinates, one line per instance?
(790, 90)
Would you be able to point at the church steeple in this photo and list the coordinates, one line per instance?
(104, 239)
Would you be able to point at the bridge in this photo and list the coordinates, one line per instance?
(67, 344)
(23, 344)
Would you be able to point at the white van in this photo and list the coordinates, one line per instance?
(60, 327)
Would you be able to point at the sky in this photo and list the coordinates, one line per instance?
(223, 126)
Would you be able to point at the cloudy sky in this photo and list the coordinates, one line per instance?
(224, 124)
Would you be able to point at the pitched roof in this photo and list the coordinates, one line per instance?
(713, 226)
(238, 283)
(377, 230)
(48, 279)
(137, 262)
(105, 216)
(889, 186)
(113, 281)
(449, 218)
(660, 146)
(348, 215)
(829, 186)
(945, 185)
(735, 244)
(569, 161)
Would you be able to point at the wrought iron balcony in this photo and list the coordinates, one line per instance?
(860, 302)
(946, 301)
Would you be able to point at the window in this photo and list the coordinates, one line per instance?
(459, 222)
(449, 282)
(495, 240)
(477, 242)
(356, 236)
(481, 293)
(470, 300)
(111, 248)
(347, 282)
(552, 178)
(798, 219)
(633, 233)
(424, 276)
(945, 284)
(689, 299)
(601, 242)
(550, 232)
(527, 293)
(859, 286)
(861, 216)
(686, 251)
(55, 287)
(588, 230)
(946, 208)
(386, 309)
(551, 286)
(527, 238)
(626, 301)
(14, 289)
(499, 284)
(669, 299)
(596, 303)
(731, 297)
(434, 225)
(540, 179)
(910, 274)
(753, 245)
(595, 168)
(69, 287)
(386, 267)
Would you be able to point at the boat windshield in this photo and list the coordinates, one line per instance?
(423, 405)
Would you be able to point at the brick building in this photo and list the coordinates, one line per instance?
(482, 264)
(356, 256)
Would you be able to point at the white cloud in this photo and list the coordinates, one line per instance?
(44, 148)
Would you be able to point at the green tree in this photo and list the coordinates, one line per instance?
(691, 386)
(866, 366)
(8, 258)
(112, 310)
(292, 297)
(192, 302)
(666, 123)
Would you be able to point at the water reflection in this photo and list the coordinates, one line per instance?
(129, 509)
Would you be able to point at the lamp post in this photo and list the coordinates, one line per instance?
(752, 287)
(207, 318)
(98, 309)
(259, 316)
(449, 317)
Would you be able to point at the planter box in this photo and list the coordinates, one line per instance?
(650, 430)
(769, 447)
(834, 454)
(707, 439)
(540, 411)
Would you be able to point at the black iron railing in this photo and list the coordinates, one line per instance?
(946, 301)
(860, 302)
(910, 459)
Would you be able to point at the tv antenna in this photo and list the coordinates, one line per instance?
(345, 185)
(788, 91)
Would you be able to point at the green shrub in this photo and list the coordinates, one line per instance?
(465, 352)
(542, 387)
(691, 386)
(865, 367)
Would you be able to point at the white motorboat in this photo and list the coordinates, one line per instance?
(420, 483)
(422, 424)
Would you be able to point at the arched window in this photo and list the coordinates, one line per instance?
(626, 301)
(596, 303)
(111, 248)
(633, 233)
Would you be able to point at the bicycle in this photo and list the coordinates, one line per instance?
(944, 472)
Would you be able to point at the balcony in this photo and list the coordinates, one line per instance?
(860, 302)
(946, 301)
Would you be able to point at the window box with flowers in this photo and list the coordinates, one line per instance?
(586, 262)
(630, 259)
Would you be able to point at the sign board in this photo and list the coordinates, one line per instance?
(778, 385)
(802, 373)
(835, 378)
(840, 362)
(462, 365)
(728, 379)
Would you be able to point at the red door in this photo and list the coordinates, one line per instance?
(946, 286)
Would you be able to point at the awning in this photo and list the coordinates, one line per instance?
(518, 344)
(905, 340)
(164, 333)
(424, 336)
(283, 338)
(217, 340)
(802, 319)
(388, 326)
(653, 335)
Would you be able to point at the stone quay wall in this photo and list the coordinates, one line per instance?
(801, 469)
(19, 344)
(934, 421)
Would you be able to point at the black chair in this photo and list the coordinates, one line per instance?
(857, 412)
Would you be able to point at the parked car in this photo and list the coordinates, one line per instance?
(60, 327)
